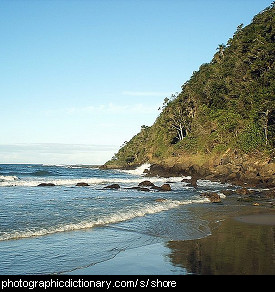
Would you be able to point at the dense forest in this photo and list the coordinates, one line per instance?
(227, 105)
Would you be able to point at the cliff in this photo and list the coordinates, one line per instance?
(222, 124)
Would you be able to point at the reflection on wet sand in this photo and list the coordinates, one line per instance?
(234, 248)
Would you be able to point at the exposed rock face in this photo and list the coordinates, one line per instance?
(231, 167)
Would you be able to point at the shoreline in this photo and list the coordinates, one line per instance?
(241, 243)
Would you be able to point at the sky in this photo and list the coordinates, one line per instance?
(78, 78)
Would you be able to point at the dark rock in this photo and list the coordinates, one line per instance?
(165, 171)
(82, 184)
(113, 187)
(228, 192)
(144, 189)
(193, 182)
(46, 185)
(213, 197)
(146, 183)
(165, 188)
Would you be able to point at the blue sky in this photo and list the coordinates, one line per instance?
(78, 78)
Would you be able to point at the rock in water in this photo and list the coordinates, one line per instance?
(165, 187)
(213, 197)
(46, 185)
(113, 187)
(82, 184)
(146, 183)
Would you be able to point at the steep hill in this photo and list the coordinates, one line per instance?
(222, 123)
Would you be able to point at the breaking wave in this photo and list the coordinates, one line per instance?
(14, 181)
(8, 178)
(139, 170)
(120, 216)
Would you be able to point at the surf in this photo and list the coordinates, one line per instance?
(103, 220)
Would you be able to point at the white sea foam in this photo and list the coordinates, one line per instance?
(208, 183)
(8, 178)
(91, 181)
(139, 170)
(151, 208)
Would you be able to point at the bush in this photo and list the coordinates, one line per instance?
(252, 138)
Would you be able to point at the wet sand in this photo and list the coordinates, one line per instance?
(260, 219)
(239, 245)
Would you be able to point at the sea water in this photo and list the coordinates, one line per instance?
(62, 228)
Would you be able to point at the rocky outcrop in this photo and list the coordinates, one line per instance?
(256, 196)
(238, 169)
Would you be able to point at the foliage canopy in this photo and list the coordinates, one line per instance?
(227, 103)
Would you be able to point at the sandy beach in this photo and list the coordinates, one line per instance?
(259, 219)
(241, 244)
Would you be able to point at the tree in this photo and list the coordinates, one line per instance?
(221, 49)
(179, 118)
(265, 123)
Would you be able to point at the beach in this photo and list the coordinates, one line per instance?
(68, 220)
(239, 245)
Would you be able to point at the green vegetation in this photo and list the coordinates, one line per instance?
(228, 103)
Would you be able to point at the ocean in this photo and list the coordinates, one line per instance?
(64, 228)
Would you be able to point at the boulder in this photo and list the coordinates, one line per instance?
(165, 188)
(46, 185)
(82, 184)
(146, 183)
(213, 197)
(193, 182)
(113, 187)
(227, 192)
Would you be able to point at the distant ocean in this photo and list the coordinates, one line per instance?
(62, 228)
